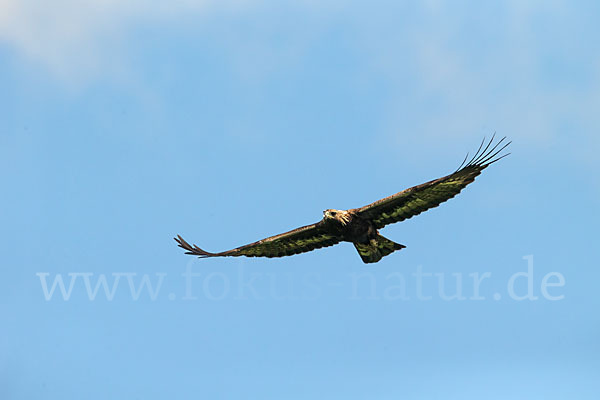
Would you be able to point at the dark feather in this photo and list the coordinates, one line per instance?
(299, 240)
(415, 200)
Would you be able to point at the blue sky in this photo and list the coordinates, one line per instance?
(126, 123)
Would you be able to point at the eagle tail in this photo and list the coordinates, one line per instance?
(376, 249)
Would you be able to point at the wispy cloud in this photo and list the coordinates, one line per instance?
(529, 71)
(526, 69)
(75, 38)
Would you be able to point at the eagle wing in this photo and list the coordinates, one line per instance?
(415, 200)
(296, 241)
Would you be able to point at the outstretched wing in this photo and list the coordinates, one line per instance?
(299, 240)
(413, 201)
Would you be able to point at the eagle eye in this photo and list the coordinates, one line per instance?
(333, 213)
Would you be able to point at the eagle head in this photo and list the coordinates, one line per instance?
(338, 215)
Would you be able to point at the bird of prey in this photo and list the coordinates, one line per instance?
(360, 225)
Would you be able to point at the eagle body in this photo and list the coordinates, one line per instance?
(351, 227)
(360, 226)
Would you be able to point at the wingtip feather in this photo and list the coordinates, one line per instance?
(192, 249)
(486, 156)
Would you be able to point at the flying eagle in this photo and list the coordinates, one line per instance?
(360, 225)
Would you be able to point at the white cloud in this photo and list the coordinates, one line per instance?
(474, 69)
(524, 71)
(75, 38)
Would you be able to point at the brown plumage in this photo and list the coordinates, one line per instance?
(360, 225)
